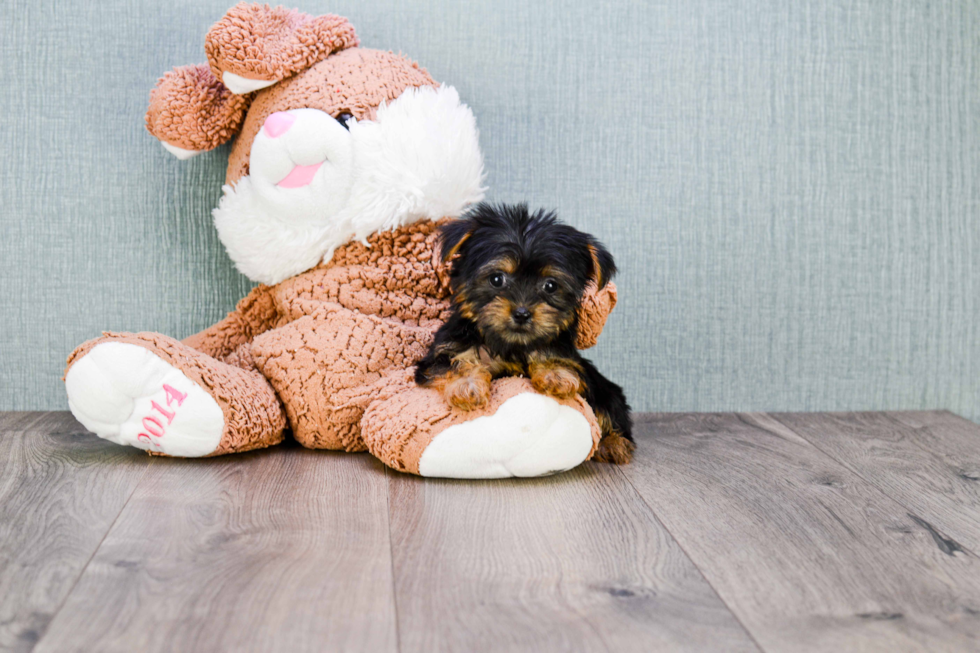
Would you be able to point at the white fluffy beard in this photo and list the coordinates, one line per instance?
(269, 243)
(419, 160)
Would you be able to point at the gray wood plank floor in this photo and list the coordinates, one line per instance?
(929, 462)
(61, 490)
(730, 532)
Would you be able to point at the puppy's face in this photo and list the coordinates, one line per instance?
(521, 300)
(520, 277)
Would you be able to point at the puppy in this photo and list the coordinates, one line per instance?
(517, 281)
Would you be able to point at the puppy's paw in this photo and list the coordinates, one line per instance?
(467, 392)
(556, 381)
(614, 448)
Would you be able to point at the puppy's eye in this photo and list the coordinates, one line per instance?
(343, 118)
(497, 280)
(550, 286)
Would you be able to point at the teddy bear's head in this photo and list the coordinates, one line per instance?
(334, 142)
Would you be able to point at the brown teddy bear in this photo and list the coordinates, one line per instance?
(345, 160)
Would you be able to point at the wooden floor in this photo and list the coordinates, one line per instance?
(730, 532)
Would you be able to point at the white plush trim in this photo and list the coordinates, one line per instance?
(273, 233)
(180, 152)
(241, 85)
(265, 247)
(529, 435)
(112, 390)
(420, 159)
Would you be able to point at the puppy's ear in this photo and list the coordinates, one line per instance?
(452, 236)
(603, 266)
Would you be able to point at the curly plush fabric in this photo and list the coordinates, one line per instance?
(253, 415)
(404, 418)
(596, 306)
(325, 338)
(392, 276)
(259, 42)
(337, 338)
(253, 315)
(354, 81)
(328, 366)
(191, 109)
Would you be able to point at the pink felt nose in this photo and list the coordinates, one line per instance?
(278, 124)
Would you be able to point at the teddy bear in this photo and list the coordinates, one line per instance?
(345, 162)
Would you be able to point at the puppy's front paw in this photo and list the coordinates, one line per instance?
(614, 448)
(556, 381)
(467, 392)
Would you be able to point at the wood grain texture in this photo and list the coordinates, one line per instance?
(928, 461)
(279, 550)
(808, 555)
(817, 532)
(19, 421)
(574, 562)
(60, 491)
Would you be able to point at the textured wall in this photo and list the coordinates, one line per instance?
(792, 188)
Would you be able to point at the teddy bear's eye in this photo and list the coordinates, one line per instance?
(343, 118)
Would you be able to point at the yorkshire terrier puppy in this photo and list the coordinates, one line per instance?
(517, 281)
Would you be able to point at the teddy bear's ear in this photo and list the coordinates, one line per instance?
(191, 111)
(255, 46)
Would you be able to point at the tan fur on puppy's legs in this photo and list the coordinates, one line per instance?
(467, 392)
(555, 376)
(613, 447)
(467, 385)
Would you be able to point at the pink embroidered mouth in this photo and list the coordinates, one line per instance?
(299, 176)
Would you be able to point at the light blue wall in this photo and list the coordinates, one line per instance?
(792, 189)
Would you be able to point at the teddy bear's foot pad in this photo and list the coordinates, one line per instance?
(127, 394)
(529, 435)
(179, 152)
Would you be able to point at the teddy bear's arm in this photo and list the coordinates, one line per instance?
(254, 315)
(592, 313)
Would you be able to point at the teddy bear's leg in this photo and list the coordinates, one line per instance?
(517, 433)
(155, 393)
(327, 366)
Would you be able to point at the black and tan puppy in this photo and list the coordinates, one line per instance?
(517, 280)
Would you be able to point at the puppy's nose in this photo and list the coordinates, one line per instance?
(522, 315)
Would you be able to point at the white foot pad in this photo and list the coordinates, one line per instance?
(529, 435)
(129, 395)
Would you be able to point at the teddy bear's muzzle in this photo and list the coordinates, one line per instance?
(299, 148)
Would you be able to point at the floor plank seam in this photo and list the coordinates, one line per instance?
(928, 526)
(966, 421)
(391, 559)
(585, 619)
(95, 551)
(902, 425)
(795, 490)
(714, 589)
